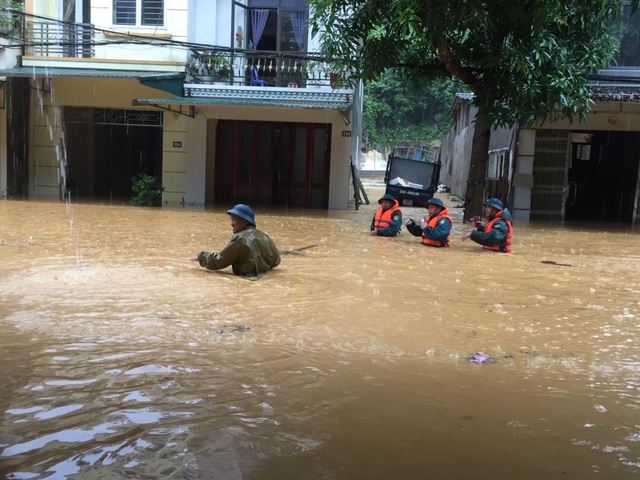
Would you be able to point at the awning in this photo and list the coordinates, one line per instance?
(171, 82)
(257, 96)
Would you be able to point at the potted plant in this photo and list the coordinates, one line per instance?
(316, 73)
(219, 68)
(213, 68)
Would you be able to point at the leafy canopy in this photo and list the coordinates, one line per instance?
(524, 60)
(395, 109)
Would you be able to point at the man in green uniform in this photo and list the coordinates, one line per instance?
(249, 252)
(497, 234)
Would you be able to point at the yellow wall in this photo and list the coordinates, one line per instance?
(119, 93)
(101, 92)
(46, 152)
(624, 117)
(47, 143)
(174, 159)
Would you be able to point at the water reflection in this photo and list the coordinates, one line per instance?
(121, 359)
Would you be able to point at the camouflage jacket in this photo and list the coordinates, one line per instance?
(249, 252)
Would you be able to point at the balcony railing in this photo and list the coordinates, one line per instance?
(54, 39)
(261, 68)
(213, 65)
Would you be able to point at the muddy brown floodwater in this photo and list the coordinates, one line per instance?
(121, 359)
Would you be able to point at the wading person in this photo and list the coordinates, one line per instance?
(249, 252)
(387, 220)
(435, 227)
(497, 233)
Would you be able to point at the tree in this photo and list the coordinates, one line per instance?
(524, 60)
(395, 109)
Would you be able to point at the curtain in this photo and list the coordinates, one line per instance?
(299, 24)
(258, 21)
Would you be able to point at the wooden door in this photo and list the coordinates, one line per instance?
(273, 163)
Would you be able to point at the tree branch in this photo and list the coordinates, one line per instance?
(452, 66)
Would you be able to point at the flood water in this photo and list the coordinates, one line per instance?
(119, 358)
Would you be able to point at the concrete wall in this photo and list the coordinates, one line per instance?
(523, 175)
(175, 159)
(461, 160)
(617, 116)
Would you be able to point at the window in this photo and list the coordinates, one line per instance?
(138, 12)
(277, 25)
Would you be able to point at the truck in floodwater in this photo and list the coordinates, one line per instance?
(413, 171)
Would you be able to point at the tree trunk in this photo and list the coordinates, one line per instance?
(474, 196)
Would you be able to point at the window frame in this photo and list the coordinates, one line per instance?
(138, 14)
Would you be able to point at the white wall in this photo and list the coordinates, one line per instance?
(175, 28)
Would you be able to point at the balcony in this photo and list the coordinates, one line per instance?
(55, 39)
(262, 69)
(297, 79)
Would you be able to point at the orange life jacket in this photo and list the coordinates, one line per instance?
(383, 219)
(432, 222)
(506, 248)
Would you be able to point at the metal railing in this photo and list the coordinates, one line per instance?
(262, 68)
(54, 39)
(217, 64)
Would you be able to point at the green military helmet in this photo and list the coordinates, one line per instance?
(245, 212)
(435, 201)
(495, 203)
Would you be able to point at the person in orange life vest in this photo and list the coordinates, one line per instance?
(497, 233)
(387, 221)
(434, 228)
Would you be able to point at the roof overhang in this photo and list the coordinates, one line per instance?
(197, 94)
(171, 82)
(615, 93)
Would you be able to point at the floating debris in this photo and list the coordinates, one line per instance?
(296, 251)
(480, 357)
(232, 328)
(551, 262)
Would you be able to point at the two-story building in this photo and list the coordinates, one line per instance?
(222, 101)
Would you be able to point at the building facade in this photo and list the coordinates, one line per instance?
(221, 101)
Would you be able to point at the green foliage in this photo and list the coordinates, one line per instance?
(218, 67)
(211, 64)
(395, 108)
(147, 191)
(10, 18)
(523, 60)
